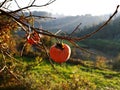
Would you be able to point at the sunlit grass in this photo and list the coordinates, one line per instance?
(74, 77)
(40, 75)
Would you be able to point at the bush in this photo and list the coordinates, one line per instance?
(116, 63)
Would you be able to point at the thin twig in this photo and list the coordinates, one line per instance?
(13, 57)
(100, 28)
(18, 6)
(21, 26)
(13, 75)
(49, 56)
(75, 29)
(3, 56)
(33, 2)
(1, 70)
(3, 3)
(29, 6)
(21, 52)
(57, 32)
(82, 49)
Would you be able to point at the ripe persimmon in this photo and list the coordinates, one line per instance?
(60, 52)
(33, 38)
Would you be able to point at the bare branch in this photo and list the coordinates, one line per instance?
(13, 75)
(21, 53)
(64, 37)
(81, 38)
(13, 57)
(100, 28)
(17, 3)
(33, 2)
(48, 56)
(31, 5)
(3, 3)
(1, 70)
(75, 29)
(82, 49)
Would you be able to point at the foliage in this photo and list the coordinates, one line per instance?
(116, 63)
(100, 62)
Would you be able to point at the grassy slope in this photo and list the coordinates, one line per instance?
(108, 47)
(72, 77)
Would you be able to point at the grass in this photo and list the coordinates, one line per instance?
(109, 47)
(38, 74)
(71, 77)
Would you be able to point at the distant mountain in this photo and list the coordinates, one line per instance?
(110, 31)
(68, 23)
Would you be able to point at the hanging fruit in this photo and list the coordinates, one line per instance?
(60, 52)
(33, 38)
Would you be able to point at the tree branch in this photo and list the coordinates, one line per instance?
(3, 3)
(100, 28)
(31, 5)
(68, 38)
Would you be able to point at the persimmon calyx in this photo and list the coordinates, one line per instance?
(60, 46)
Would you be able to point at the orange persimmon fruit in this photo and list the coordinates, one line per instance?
(33, 38)
(60, 52)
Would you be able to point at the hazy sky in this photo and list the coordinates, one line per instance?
(77, 7)
(80, 7)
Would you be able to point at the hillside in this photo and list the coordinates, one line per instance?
(68, 23)
(74, 77)
(110, 31)
(41, 76)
